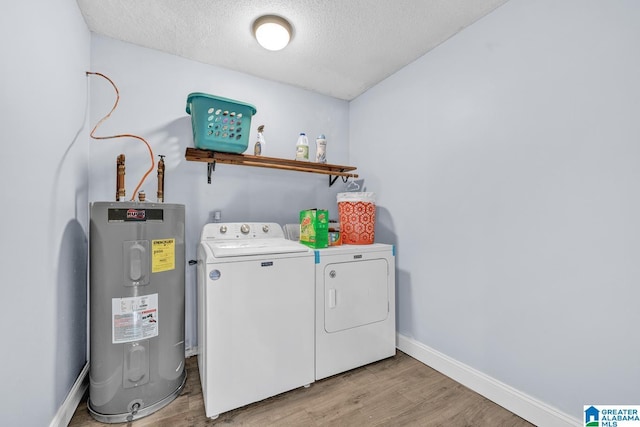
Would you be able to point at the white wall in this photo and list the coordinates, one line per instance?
(153, 92)
(516, 146)
(43, 55)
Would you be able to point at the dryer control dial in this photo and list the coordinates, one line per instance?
(244, 228)
(265, 228)
(223, 229)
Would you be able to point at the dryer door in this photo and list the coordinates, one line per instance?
(356, 294)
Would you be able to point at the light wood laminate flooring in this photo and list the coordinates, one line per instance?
(399, 391)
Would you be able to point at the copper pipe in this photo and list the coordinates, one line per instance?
(120, 192)
(161, 179)
(124, 135)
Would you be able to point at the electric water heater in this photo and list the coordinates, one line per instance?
(137, 281)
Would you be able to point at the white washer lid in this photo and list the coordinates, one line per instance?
(247, 247)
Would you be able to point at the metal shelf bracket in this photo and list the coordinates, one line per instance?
(211, 167)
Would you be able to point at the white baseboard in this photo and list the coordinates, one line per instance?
(519, 403)
(193, 351)
(70, 404)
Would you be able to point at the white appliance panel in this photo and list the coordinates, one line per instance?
(355, 313)
(259, 329)
(202, 317)
(241, 231)
(356, 294)
(236, 248)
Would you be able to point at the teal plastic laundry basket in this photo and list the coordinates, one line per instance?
(219, 124)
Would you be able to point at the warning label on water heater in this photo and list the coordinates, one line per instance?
(163, 255)
(134, 318)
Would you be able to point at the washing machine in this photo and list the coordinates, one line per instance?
(255, 314)
(355, 307)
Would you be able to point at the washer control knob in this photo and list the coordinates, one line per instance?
(265, 228)
(223, 229)
(244, 228)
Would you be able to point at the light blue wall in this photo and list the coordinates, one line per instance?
(506, 165)
(43, 169)
(153, 92)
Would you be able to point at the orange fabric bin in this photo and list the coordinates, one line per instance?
(357, 213)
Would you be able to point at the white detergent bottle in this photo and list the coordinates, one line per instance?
(302, 147)
(321, 149)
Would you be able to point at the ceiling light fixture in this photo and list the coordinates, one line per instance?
(272, 32)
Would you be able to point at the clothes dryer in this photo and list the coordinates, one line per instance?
(355, 307)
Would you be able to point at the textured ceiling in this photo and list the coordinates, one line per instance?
(339, 48)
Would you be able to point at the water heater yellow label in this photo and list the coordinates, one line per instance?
(163, 255)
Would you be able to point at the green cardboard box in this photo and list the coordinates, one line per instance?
(314, 228)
